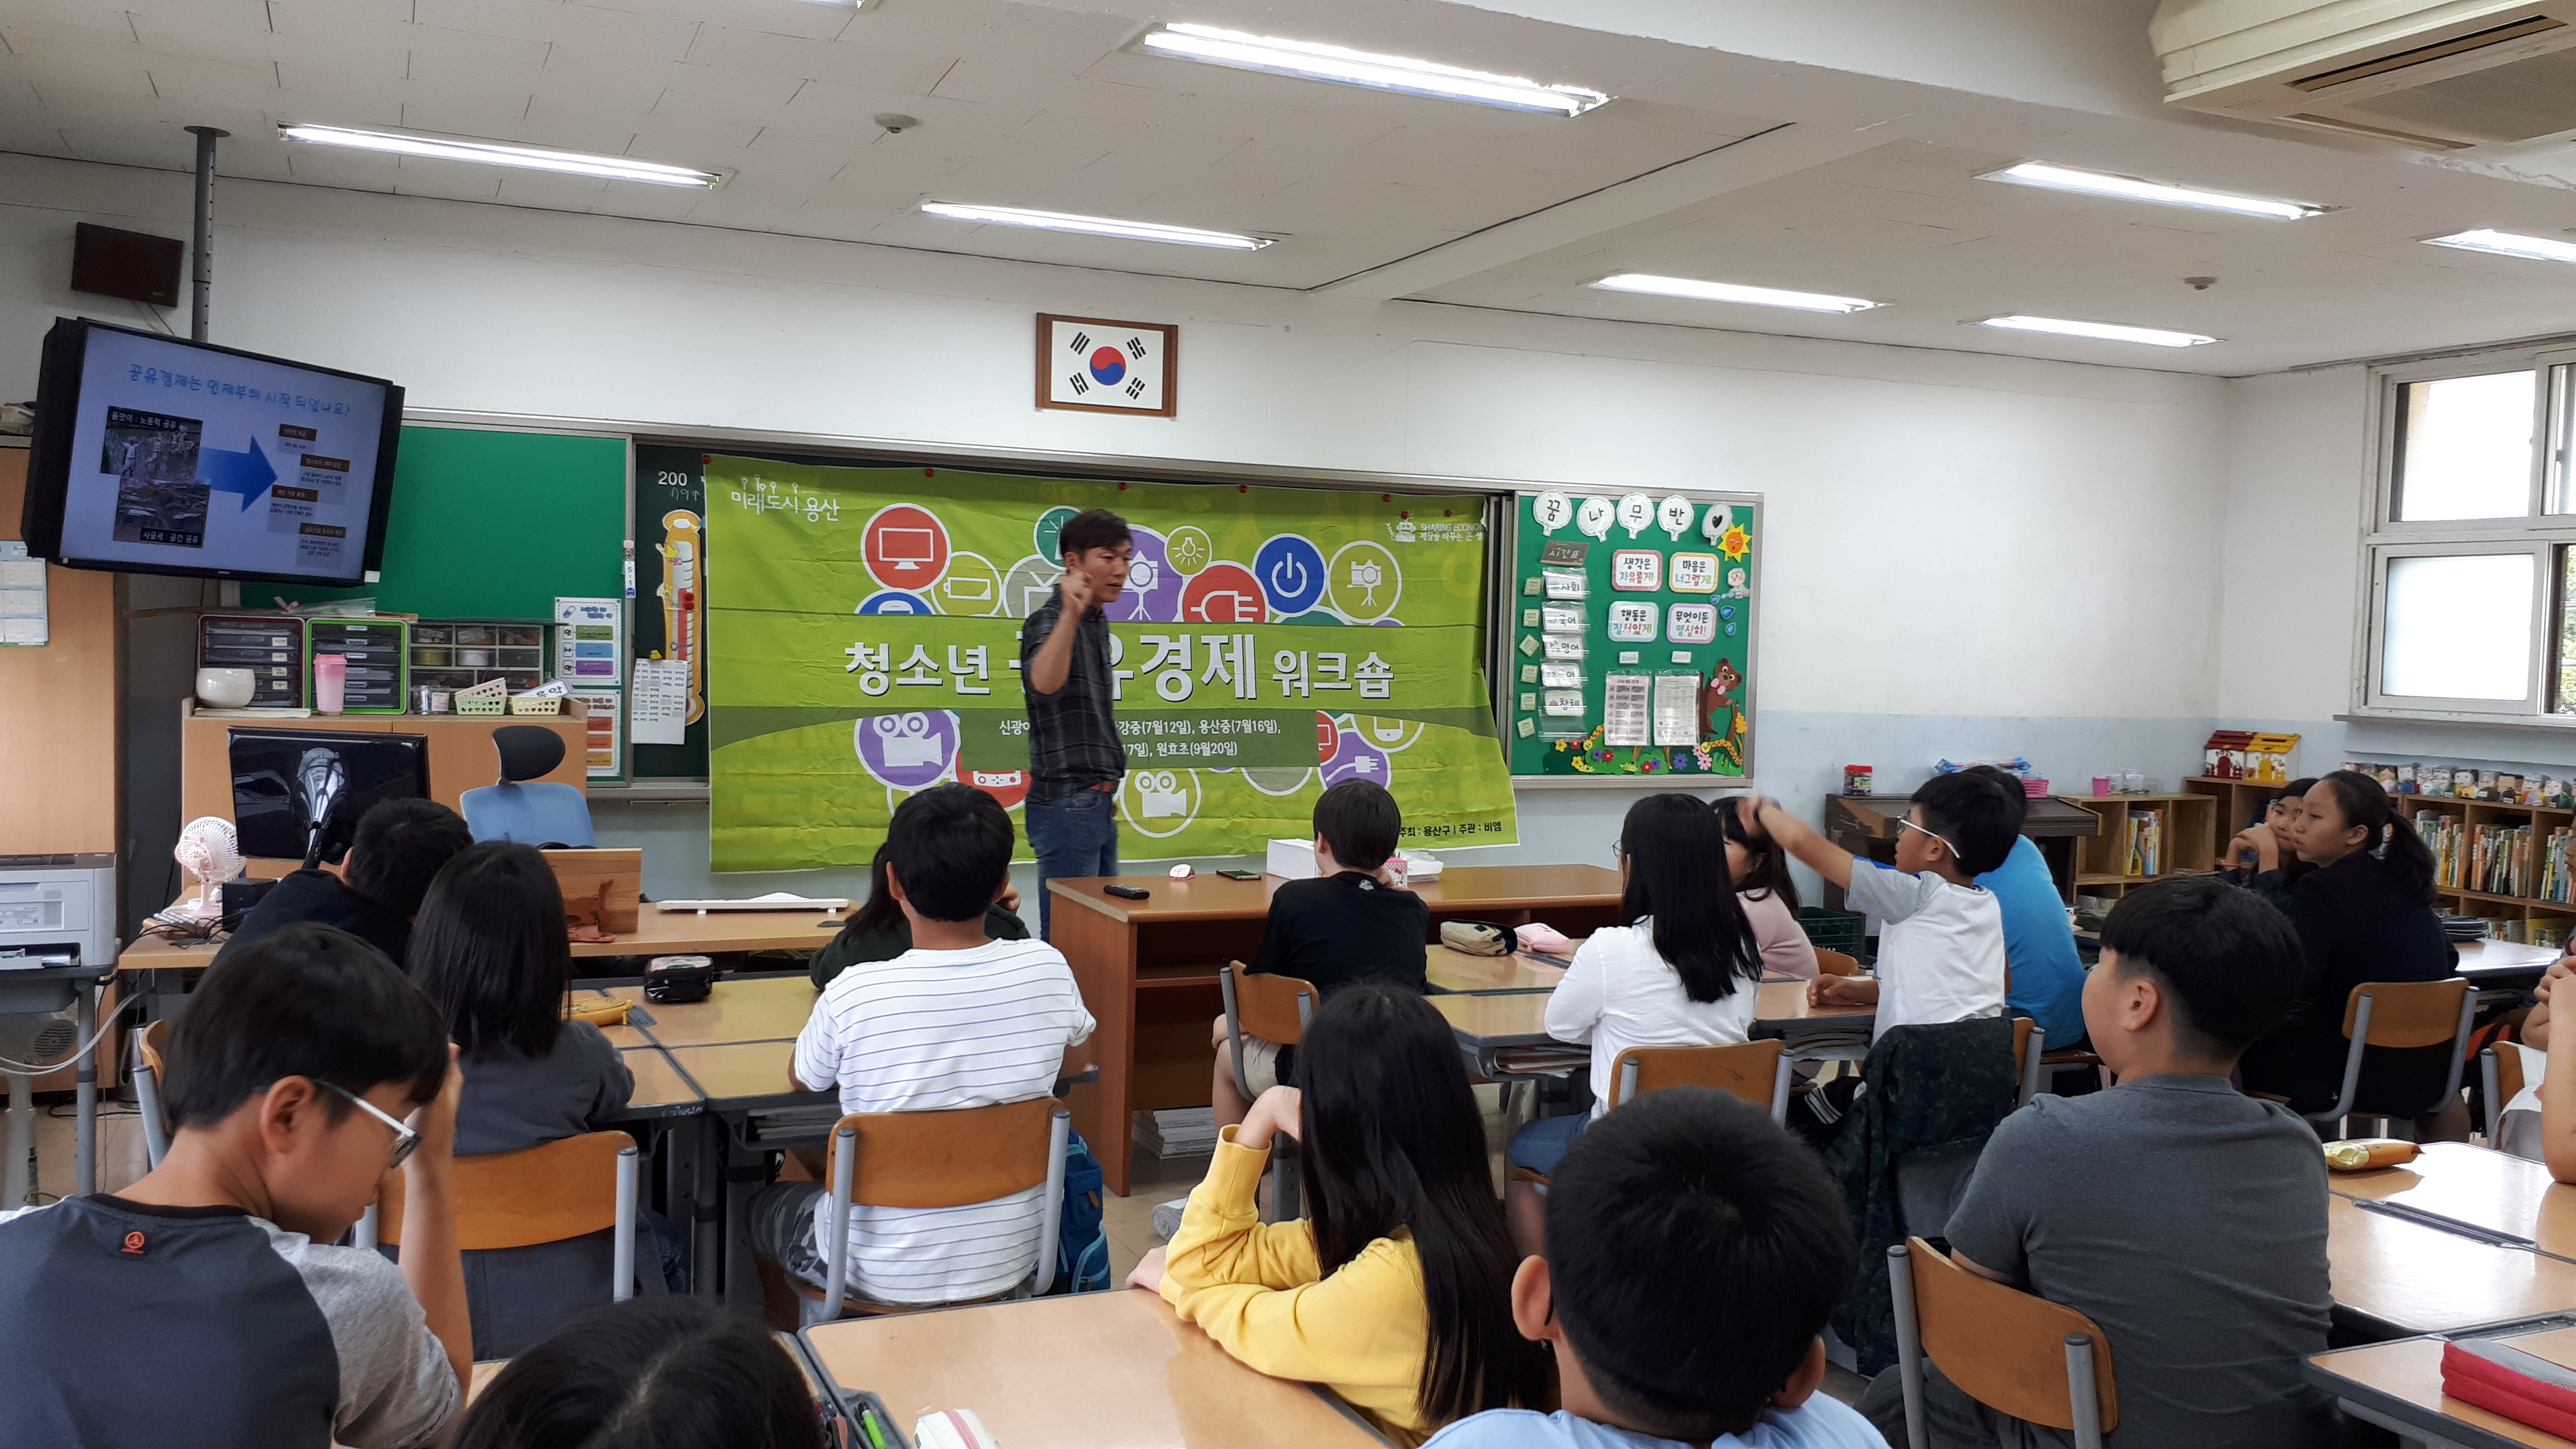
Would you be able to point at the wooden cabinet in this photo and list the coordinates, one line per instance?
(58, 707)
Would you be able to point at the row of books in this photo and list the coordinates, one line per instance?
(2500, 860)
(2143, 847)
(2530, 933)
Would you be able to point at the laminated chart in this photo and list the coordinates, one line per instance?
(1633, 651)
(862, 642)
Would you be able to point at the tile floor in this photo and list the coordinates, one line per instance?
(120, 1148)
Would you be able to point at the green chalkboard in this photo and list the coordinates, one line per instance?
(494, 525)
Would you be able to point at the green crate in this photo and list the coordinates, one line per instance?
(1833, 930)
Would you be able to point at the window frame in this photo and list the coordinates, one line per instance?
(2543, 534)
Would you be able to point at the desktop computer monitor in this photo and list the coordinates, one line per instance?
(297, 794)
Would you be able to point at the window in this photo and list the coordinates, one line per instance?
(2470, 564)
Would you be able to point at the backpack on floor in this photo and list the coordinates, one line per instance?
(1081, 1241)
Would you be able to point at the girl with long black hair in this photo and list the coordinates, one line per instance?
(489, 950)
(1396, 1291)
(2364, 912)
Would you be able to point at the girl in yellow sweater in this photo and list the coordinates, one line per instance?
(1396, 1294)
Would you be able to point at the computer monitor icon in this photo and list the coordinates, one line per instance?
(907, 548)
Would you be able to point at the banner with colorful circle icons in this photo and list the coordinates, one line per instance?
(1271, 642)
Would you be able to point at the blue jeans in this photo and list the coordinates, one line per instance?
(1076, 835)
(1541, 1145)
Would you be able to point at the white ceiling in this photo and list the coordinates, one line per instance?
(1859, 178)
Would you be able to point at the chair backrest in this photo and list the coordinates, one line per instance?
(2508, 1075)
(1835, 963)
(562, 1189)
(2004, 1348)
(155, 1041)
(1271, 1006)
(538, 813)
(946, 1159)
(1746, 1069)
(2408, 1013)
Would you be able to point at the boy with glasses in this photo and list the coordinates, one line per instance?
(291, 1075)
(1941, 936)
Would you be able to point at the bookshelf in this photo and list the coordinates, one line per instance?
(2188, 840)
(2512, 912)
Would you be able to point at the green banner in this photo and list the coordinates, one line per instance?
(863, 636)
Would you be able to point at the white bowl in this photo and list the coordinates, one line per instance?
(225, 688)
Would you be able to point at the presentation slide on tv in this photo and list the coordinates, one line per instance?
(195, 459)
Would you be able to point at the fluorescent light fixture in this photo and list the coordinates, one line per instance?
(2508, 244)
(1733, 292)
(2130, 188)
(501, 153)
(1403, 74)
(2101, 331)
(1152, 231)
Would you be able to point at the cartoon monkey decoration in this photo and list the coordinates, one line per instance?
(1720, 719)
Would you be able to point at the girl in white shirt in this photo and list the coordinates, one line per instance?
(1683, 973)
(1760, 870)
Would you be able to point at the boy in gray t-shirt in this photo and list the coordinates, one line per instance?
(2186, 1219)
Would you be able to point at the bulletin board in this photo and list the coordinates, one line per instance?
(1630, 646)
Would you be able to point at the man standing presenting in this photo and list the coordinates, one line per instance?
(1075, 756)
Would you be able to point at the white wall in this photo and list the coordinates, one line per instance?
(1968, 555)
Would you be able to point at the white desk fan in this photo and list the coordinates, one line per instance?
(212, 853)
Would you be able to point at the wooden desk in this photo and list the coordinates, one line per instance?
(737, 1075)
(2497, 963)
(1148, 970)
(2410, 1279)
(1091, 1371)
(767, 1008)
(1457, 971)
(660, 1089)
(2495, 1191)
(2401, 1383)
(686, 933)
(1782, 1011)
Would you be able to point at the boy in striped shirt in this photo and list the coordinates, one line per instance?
(960, 1020)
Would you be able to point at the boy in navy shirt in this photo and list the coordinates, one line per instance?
(290, 1076)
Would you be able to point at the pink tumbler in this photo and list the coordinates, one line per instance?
(330, 682)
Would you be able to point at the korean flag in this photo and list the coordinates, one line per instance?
(1113, 366)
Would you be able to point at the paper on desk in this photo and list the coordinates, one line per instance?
(658, 712)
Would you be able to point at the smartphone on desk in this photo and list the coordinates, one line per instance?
(1126, 892)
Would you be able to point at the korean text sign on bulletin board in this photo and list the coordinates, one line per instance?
(1631, 646)
(863, 643)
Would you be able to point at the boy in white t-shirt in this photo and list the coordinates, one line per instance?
(960, 1020)
(1941, 944)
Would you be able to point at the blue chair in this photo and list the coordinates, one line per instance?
(532, 814)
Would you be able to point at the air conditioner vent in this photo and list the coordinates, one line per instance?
(2511, 102)
(2330, 123)
(2456, 45)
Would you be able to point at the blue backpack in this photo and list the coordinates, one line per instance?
(1081, 1242)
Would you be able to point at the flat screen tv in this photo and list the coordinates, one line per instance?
(161, 456)
(297, 795)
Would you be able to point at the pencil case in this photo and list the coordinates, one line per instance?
(599, 1011)
(2522, 1387)
(2361, 1154)
(1477, 938)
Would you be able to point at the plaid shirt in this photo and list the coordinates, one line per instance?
(1073, 736)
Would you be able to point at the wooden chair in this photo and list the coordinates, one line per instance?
(1277, 1008)
(2012, 1352)
(149, 1044)
(942, 1159)
(2398, 1015)
(568, 1188)
(1835, 963)
(1757, 1071)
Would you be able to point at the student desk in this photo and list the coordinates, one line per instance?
(1148, 969)
(2503, 964)
(1093, 1369)
(739, 1008)
(2399, 1277)
(689, 933)
(2399, 1386)
(1493, 1023)
(1456, 971)
(2483, 1191)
